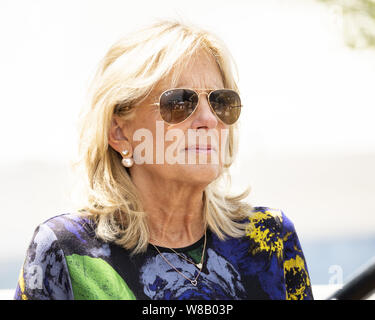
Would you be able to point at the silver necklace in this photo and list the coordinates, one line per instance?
(198, 265)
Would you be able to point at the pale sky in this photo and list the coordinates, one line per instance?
(302, 89)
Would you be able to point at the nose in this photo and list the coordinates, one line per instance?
(203, 116)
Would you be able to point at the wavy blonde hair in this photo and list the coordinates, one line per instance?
(125, 77)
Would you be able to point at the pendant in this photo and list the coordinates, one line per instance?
(199, 266)
(193, 282)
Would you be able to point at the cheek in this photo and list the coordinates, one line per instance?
(174, 142)
(144, 120)
(143, 136)
(223, 133)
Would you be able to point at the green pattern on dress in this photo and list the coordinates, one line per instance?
(95, 279)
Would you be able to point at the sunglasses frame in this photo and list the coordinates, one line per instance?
(198, 92)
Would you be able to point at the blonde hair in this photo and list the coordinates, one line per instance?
(126, 76)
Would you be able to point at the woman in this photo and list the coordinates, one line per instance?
(157, 140)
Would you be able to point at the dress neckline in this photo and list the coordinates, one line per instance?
(190, 247)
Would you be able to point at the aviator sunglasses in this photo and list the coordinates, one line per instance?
(176, 105)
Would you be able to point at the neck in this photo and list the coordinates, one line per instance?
(174, 211)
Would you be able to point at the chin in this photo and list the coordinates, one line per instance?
(201, 173)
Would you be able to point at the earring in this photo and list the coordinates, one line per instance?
(127, 162)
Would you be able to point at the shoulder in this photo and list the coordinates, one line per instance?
(70, 224)
(270, 218)
(44, 274)
(272, 237)
(71, 232)
(267, 229)
(58, 246)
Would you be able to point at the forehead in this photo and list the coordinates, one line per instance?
(200, 71)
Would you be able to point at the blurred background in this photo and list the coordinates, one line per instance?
(307, 136)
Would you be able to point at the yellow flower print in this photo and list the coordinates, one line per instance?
(264, 229)
(297, 269)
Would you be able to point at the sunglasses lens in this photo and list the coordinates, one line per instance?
(177, 104)
(226, 104)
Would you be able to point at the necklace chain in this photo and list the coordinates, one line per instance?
(199, 265)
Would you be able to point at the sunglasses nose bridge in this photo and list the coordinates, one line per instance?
(207, 99)
(199, 106)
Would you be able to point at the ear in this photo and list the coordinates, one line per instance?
(117, 136)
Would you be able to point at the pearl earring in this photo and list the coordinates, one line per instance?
(127, 162)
